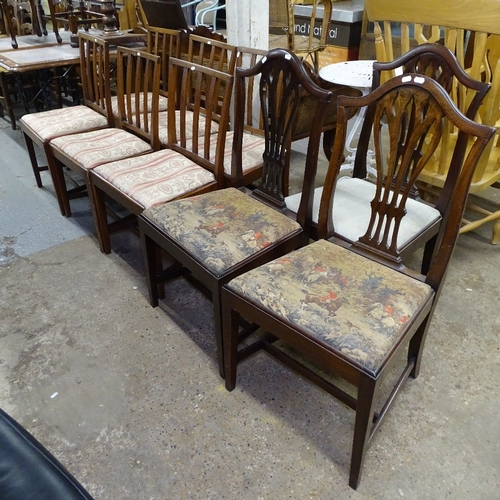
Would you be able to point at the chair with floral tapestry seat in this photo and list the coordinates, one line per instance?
(138, 77)
(188, 168)
(94, 113)
(352, 214)
(217, 236)
(353, 310)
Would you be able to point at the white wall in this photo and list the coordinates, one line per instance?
(248, 23)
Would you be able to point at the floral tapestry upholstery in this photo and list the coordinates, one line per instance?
(156, 177)
(100, 146)
(163, 126)
(48, 125)
(222, 228)
(162, 103)
(358, 307)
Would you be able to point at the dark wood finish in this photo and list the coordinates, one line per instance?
(72, 18)
(187, 80)
(436, 62)
(412, 107)
(9, 14)
(138, 80)
(283, 79)
(95, 79)
(166, 14)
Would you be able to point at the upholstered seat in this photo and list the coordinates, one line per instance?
(187, 127)
(92, 149)
(252, 148)
(186, 168)
(358, 307)
(354, 311)
(155, 178)
(63, 121)
(40, 128)
(223, 228)
(352, 212)
(162, 103)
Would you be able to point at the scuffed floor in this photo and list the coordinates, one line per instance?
(130, 400)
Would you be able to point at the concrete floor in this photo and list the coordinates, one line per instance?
(129, 398)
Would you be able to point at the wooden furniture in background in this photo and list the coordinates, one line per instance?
(472, 32)
(282, 28)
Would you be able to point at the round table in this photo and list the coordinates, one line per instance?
(354, 74)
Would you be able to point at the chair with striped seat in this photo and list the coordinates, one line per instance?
(137, 133)
(189, 167)
(94, 113)
(217, 236)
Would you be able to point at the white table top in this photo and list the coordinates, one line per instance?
(352, 73)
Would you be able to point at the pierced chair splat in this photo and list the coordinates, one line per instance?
(351, 309)
(355, 191)
(471, 34)
(217, 236)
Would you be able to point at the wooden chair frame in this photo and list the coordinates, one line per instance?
(245, 297)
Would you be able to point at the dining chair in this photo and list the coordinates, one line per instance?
(208, 52)
(354, 192)
(247, 163)
(138, 81)
(217, 236)
(351, 311)
(471, 34)
(187, 168)
(20, 18)
(40, 128)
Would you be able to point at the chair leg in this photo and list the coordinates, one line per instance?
(33, 160)
(7, 100)
(416, 346)
(57, 173)
(99, 213)
(362, 427)
(230, 320)
(216, 299)
(150, 253)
